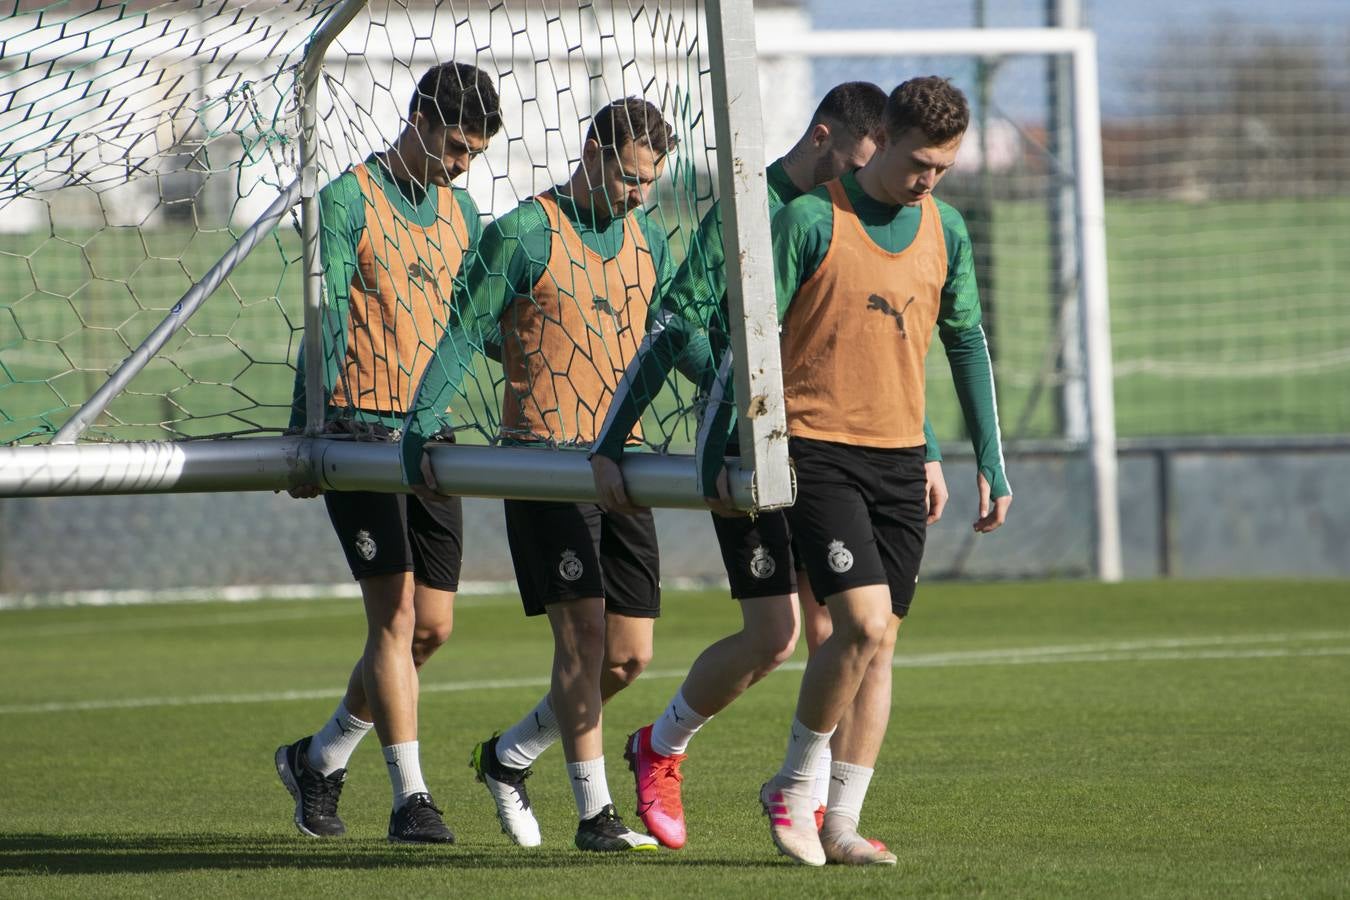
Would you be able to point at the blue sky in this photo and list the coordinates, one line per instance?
(1129, 33)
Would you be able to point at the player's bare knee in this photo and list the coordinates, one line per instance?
(874, 631)
(625, 672)
(427, 639)
(889, 638)
(815, 637)
(627, 665)
(765, 665)
(772, 641)
(865, 633)
(627, 653)
(817, 629)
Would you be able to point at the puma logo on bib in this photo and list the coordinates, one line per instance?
(880, 304)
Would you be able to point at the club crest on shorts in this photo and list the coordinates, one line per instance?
(761, 563)
(841, 558)
(570, 567)
(365, 545)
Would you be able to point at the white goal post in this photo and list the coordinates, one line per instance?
(1080, 46)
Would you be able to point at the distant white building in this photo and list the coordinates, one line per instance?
(554, 69)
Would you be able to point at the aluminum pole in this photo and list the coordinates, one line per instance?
(259, 464)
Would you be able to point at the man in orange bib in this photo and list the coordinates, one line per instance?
(565, 283)
(866, 268)
(394, 235)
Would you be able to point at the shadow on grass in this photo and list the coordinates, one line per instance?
(101, 854)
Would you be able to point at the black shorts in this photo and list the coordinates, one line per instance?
(570, 551)
(387, 533)
(757, 554)
(859, 518)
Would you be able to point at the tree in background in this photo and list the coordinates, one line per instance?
(1237, 113)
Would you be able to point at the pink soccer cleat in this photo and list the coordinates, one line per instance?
(658, 778)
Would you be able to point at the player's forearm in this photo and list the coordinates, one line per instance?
(687, 308)
(695, 361)
(475, 310)
(641, 382)
(484, 290)
(502, 265)
(440, 384)
(968, 356)
(714, 432)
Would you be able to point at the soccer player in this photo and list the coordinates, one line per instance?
(568, 278)
(756, 552)
(394, 234)
(866, 267)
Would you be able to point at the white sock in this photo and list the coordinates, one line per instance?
(820, 789)
(848, 790)
(804, 748)
(405, 771)
(671, 732)
(589, 786)
(333, 744)
(524, 742)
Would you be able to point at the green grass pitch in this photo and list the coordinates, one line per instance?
(1047, 740)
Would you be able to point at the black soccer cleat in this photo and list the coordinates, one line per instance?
(606, 833)
(316, 795)
(418, 821)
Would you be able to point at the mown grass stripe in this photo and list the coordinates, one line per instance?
(1167, 650)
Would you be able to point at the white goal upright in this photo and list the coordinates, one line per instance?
(1029, 183)
(159, 169)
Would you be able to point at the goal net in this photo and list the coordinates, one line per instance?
(554, 72)
(142, 140)
(135, 140)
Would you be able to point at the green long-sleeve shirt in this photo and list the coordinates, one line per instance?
(511, 256)
(342, 217)
(802, 232)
